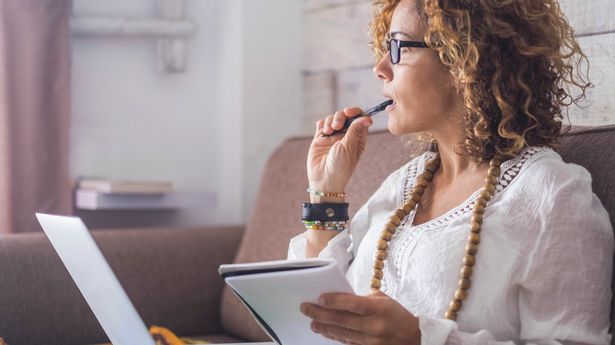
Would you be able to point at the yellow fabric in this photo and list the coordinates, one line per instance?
(169, 337)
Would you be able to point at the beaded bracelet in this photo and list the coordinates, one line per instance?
(325, 225)
(327, 222)
(326, 194)
(321, 227)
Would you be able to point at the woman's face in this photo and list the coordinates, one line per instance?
(419, 84)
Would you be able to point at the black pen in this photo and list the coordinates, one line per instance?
(372, 111)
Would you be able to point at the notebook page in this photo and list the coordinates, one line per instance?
(276, 297)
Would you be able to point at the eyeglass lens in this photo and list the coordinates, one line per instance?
(394, 51)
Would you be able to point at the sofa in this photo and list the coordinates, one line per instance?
(170, 274)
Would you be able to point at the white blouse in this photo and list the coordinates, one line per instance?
(544, 264)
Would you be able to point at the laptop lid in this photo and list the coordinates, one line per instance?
(95, 279)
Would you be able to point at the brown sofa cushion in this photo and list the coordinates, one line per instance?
(277, 214)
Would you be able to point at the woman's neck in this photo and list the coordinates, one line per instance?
(452, 164)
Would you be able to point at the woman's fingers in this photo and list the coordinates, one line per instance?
(344, 335)
(361, 305)
(336, 121)
(327, 126)
(352, 111)
(333, 317)
(319, 124)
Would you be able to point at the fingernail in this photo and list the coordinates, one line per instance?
(321, 301)
(303, 308)
(366, 123)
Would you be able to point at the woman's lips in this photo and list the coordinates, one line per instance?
(389, 107)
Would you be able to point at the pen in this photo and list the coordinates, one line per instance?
(372, 111)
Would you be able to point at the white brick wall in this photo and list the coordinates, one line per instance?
(338, 62)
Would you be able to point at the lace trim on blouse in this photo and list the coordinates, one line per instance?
(402, 241)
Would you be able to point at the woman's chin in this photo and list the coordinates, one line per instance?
(397, 128)
(394, 131)
(394, 127)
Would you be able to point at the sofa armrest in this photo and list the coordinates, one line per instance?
(170, 275)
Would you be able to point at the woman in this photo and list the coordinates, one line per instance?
(489, 237)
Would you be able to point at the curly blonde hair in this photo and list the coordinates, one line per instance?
(514, 61)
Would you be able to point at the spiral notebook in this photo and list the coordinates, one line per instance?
(273, 291)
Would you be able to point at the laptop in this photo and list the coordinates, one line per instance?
(95, 279)
(101, 289)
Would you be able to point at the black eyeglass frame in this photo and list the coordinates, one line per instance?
(401, 44)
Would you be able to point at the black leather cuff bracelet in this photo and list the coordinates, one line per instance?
(325, 212)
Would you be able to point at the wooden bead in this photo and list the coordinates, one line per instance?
(495, 161)
(421, 181)
(475, 227)
(469, 260)
(464, 284)
(375, 283)
(401, 213)
(494, 171)
(451, 315)
(409, 206)
(378, 274)
(461, 295)
(381, 255)
(428, 175)
(482, 202)
(386, 235)
(431, 167)
(395, 220)
(474, 238)
(466, 271)
(476, 219)
(390, 227)
(416, 198)
(375, 291)
(471, 248)
(378, 264)
(419, 189)
(455, 305)
(490, 189)
(382, 245)
(490, 179)
(485, 195)
(478, 209)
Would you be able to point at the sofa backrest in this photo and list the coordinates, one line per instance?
(277, 213)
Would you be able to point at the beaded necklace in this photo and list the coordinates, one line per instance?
(469, 260)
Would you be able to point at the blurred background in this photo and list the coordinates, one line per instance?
(190, 97)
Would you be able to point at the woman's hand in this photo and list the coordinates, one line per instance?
(331, 160)
(374, 319)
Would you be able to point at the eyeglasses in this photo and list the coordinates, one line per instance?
(394, 46)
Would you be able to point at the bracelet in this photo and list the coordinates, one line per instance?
(318, 225)
(325, 212)
(326, 194)
(318, 222)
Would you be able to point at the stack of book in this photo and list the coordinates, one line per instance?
(95, 194)
(126, 187)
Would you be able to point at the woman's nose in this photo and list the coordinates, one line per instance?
(382, 69)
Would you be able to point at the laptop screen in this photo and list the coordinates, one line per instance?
(95, 279)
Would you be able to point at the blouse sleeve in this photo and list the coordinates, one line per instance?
(343, 246)
(565, 282)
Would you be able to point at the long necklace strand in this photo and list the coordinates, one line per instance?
(469, 259)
